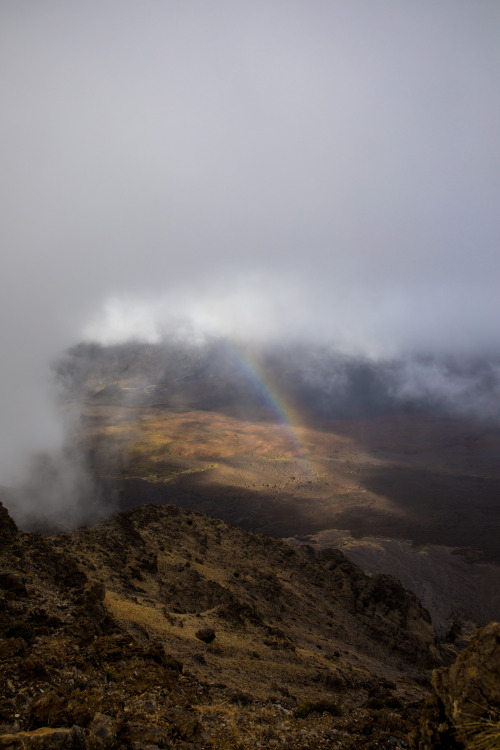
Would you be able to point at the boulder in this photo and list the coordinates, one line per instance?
(102, 732)
(205, 634)
(465, 708)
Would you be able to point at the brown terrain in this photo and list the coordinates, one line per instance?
(405, 494)
(408, 477)
(181, 622)
(402, 488)
(184, 424)
(164, 628)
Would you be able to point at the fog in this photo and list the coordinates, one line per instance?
(308, 171)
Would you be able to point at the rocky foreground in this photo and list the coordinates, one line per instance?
(163, 628)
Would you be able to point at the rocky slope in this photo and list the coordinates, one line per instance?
(164, 628)
(454, 585)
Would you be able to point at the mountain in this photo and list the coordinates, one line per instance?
(162, 607)
(297, 442)
(291, 442)
(164, 627)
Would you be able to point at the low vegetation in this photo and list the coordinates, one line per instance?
(321, 707)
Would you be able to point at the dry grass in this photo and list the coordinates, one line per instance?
(246, 663)
(151, 437)
(483, 733)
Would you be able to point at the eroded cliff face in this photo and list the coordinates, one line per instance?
(102, 629)
(464, 711)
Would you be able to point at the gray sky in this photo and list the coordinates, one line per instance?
(326, 169)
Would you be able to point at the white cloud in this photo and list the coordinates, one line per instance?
(328, 169)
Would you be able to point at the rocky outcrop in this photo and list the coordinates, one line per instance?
(8, 529)
(398, 619)
(111, 630)
(45, 738)
(465, 709)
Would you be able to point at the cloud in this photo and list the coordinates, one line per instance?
(325, 171)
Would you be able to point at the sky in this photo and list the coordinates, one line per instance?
(308, 170)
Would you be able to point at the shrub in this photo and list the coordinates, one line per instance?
(321, 707)
(377, 703)
(241, 698)
(484, 731)
(20, 629)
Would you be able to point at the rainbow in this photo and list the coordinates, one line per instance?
(260, 376)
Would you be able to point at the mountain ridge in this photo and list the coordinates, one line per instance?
(102, 621)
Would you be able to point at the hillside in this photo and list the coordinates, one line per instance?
(287, 442)
(162, 627)
(296, 442)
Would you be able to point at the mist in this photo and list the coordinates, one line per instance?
(321, 172)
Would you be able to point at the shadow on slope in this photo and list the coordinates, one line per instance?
(425, 507)
(432, 507)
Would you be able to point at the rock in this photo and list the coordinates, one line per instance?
(156, 652)
(453, 632)
(398, 618)
(10, 582)
(205, 634)
(45, 738)
(184, 724)
(155, 737)
(8, 529)
(466, 701)
(9, 728)
(92, 597)
(10, 647)
(102, 732)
